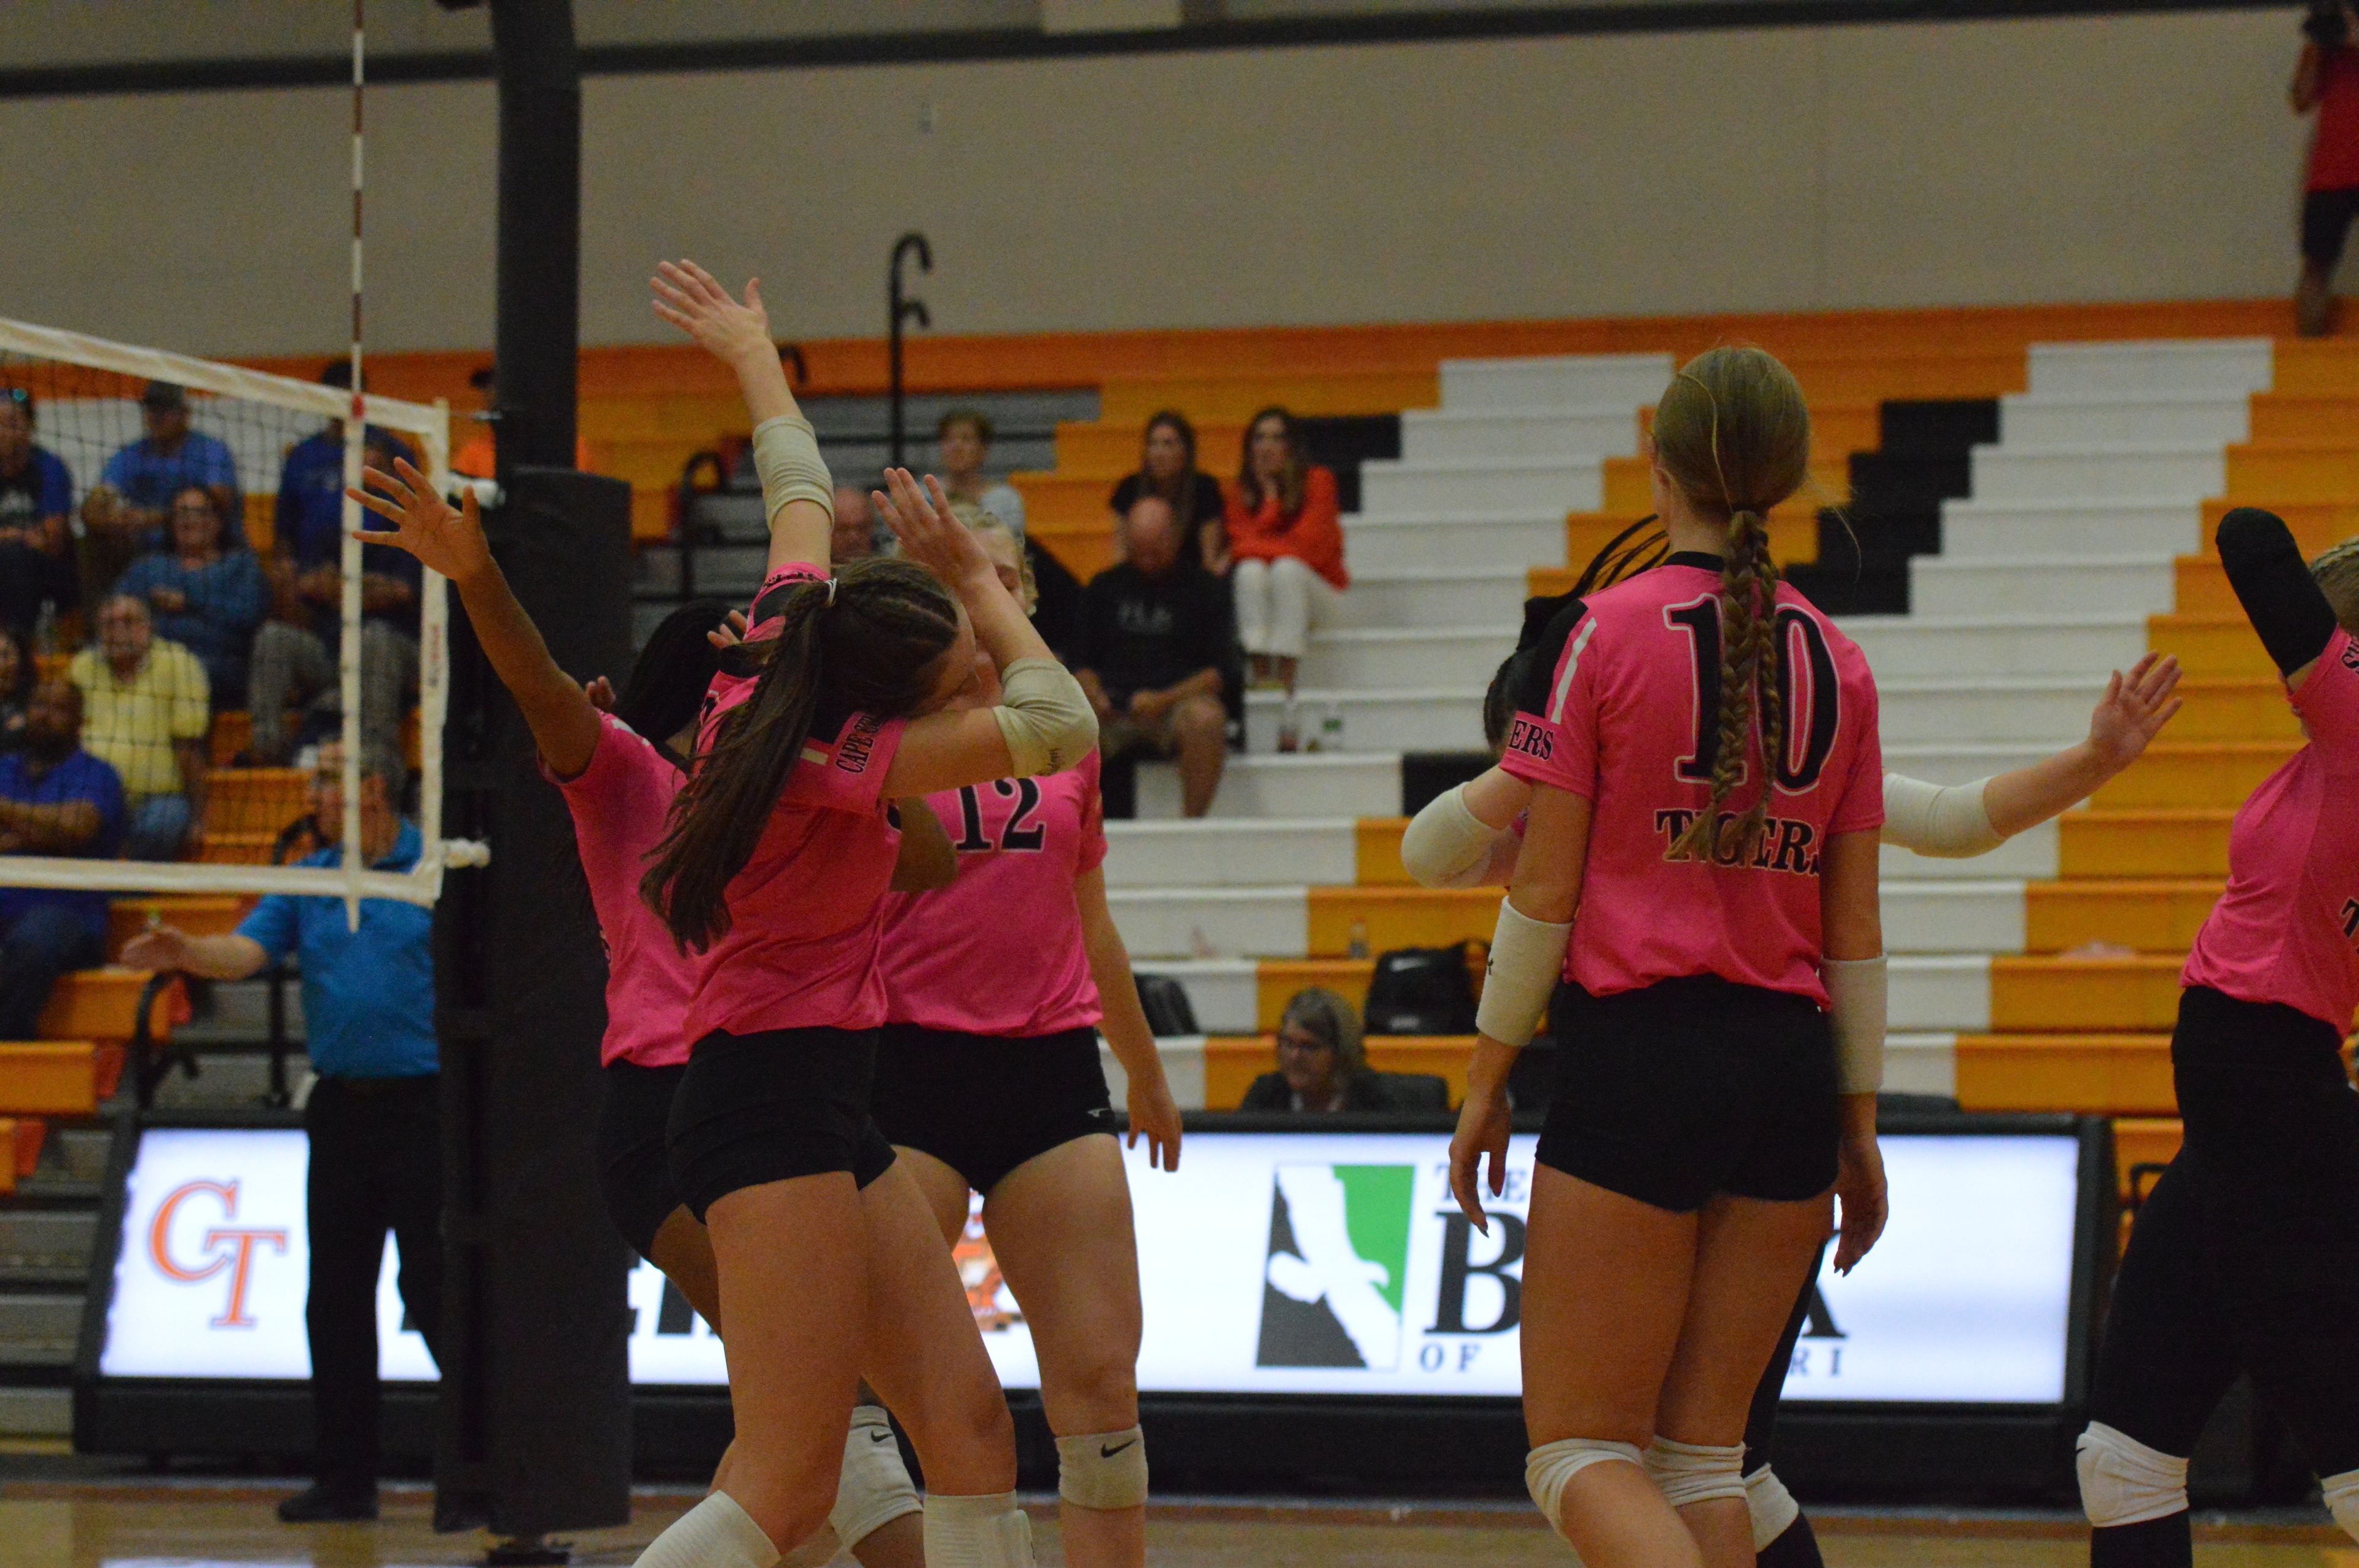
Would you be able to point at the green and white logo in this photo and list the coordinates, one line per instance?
(1337, 1266)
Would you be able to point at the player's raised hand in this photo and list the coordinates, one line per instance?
(930, 532)
(693, 300)
(444, 539)
(2134, 709)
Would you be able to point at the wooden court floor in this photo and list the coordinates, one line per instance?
(140, 1525)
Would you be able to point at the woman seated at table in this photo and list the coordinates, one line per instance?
(1323, 1065)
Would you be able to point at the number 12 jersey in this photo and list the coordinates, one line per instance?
(1622, 707)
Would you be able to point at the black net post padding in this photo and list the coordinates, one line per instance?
(539, 321)
(535, 1426)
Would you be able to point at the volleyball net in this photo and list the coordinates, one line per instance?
(186, 561)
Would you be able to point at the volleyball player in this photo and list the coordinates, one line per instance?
(987, 1080)
(1470, 836)
(619, 785)
(1727, 895)
(774, 870)
(2245, 1257)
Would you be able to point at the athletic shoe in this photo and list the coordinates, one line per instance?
(319, 1505)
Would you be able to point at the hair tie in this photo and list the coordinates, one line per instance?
(830, 593)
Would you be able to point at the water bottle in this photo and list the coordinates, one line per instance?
(1357, 943)
(1330, 728)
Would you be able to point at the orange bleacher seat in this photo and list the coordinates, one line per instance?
(2097, 1073)
(57, 1077)
(103, 1004)
(202, 915)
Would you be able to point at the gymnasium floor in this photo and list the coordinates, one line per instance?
(191, 1524)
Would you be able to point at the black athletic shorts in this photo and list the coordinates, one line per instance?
(632, 1170)
(2325, 223)
(752, 1108)
(1694, 1087)
(983, 1104)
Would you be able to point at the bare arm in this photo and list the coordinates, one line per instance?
(737, 333)
(1853, 921)
(196, 770)
(50, 830)
(230, 957)
(1155, 704)
(2132, 712)
(925, 861)
(1152, 1110)
(564, 723)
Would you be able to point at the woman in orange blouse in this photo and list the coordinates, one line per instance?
(1285, 535)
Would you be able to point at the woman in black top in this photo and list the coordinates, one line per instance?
(1167, 467)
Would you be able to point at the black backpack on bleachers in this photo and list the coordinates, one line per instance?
(1420, 990)
(1165, 1002)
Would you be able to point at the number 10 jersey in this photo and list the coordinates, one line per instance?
(1621, 705)
(999, 951)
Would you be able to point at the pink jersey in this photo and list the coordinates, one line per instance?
(2287, 928)
(1628, 718)
(805, 912)
(999, 950)
(619, 803)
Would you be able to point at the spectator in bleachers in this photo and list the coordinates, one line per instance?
(35, 494)
(373, 1116)
(16, 687)
(855, 536)
(55, 799)
(1153, 641)
(478, 457)
(146, 715)
(964, 436)
(295, 651)
(1167, 467)
(1286, 532)
(126, 510)
(2327, 80)
(1323, 1065)
(203, 591)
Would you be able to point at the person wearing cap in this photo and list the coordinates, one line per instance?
(478, 457)
(127, 511)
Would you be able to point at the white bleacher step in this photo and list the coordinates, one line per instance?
(1555, 381)
(1417, 656)
(2218, 366)
(1234, 921)
(2130, 418)
(2032, 585)
(1307, 785)
(1951, 763)
(2157, 470)
(1228, 853)
(1441, 540)
(47, 1244)
(1900, 646)
(1451, 596)
(1973, 529)
(1393, 488)
(1977, 916)
(1419, 718)
(40, 1412)
(38, 1330)
(2045, 714)
(1920, 1063)
(1950, 993)
(1183, 1069)
(2032, 855)
(1519, 435)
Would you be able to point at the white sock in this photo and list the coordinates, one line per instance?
(977, 1533)
(715, 1533)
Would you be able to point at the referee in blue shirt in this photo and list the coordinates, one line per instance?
(373, 1118)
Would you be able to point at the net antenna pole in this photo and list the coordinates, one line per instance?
(348, 655)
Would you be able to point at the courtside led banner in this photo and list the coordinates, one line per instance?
(1270, 1263)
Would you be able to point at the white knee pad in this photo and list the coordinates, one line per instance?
(1695, 1472)
(1548, 1467)
(1103, 1469)
(2343, 1500)
(2125, 1482)
(977, 1533)
(1773, 1507)
(715, 1533)
(874, 1488)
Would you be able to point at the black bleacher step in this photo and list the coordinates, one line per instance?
(1926, 456)
(1937, 425)
(1909, 481)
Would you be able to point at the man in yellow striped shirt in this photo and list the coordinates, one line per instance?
(146, 714)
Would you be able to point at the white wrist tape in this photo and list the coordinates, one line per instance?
(1446, 845)
(1857, 1005)
(1953, 823)
(1527, 960)
(1044, 718)
(786, 454)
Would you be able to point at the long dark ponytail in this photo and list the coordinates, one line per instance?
(876, 649)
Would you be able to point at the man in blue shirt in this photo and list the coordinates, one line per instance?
(373, 1114)
(295, 653)
(55, 799)
(35, 494)
(127, 508)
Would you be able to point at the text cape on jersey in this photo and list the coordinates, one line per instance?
(1621, 705)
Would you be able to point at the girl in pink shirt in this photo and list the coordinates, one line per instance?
(619, 786)
(1707, 784)
(2245, 1257)
(987, 1080)
(773, 870)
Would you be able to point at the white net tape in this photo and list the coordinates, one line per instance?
(79, 401)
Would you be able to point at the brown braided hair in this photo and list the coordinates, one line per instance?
(870, 642)
(2337, 572)
(1732, 434)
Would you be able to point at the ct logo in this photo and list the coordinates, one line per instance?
(225, 1248)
